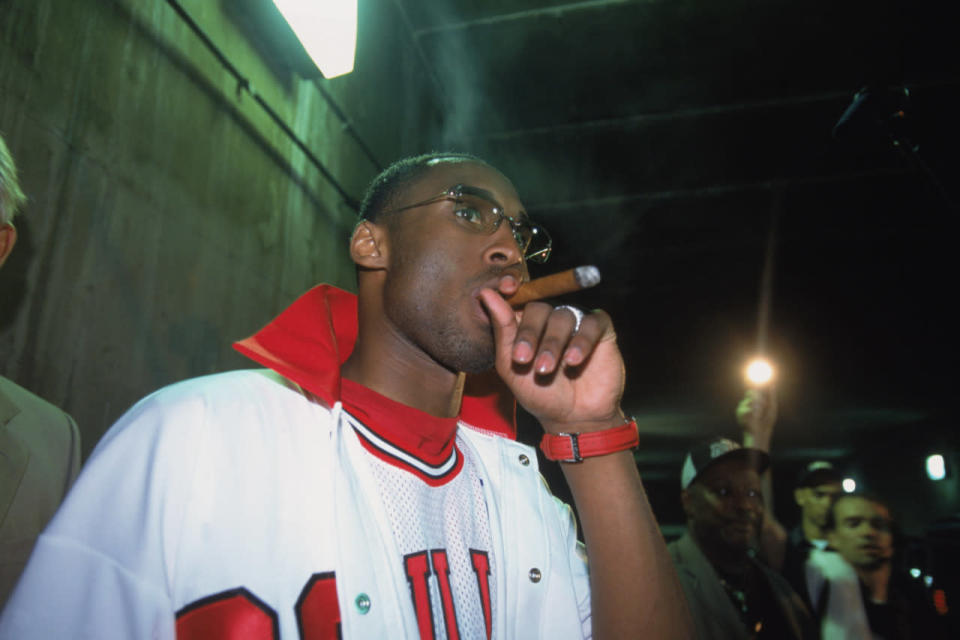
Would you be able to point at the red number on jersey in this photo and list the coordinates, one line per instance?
(441, 569)
(318, 613)
(418, 570)
(236, 614)
(481, 567)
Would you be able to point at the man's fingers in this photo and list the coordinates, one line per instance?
(528, 343)
(560, 326)
(595, 327)
(502, 317)
(545, 337)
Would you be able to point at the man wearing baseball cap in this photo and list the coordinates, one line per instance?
(730, 593)
(817, 485)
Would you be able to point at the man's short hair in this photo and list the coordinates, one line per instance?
(385, 191)
(831, 520)
(11, 197)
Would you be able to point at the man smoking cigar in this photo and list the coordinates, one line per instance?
(348, 489)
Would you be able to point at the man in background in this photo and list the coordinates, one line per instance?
(817, 486)
(818, 483)
(815, 490)
(859, 529)
(731, 594)
(39, 443)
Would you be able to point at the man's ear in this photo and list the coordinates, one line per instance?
(368, 245)
(8, 238)
(799, 496)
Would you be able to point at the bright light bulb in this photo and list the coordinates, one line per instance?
(936, 467)
(327, 29)
(849, 485)
(759, 372)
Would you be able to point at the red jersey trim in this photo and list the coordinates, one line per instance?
(309, 341)
(431, 473)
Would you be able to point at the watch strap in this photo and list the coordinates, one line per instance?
(575, 447)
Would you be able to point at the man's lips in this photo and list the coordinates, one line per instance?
(504, 283)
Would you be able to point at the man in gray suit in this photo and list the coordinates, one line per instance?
(730, 593)
(39, 443)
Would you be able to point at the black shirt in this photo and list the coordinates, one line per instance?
(752, 597)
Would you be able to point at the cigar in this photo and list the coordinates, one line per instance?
(556, 284)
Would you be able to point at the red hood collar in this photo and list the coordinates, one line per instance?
(309, 341)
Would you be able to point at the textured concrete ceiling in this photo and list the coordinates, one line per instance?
(661, 139)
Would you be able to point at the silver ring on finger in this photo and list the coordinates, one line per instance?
(577, 315)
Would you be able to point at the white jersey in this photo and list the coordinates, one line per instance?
(234, 506)
(439, 520)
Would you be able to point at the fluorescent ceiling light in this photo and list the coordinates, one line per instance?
(936, 467)
(327, 29)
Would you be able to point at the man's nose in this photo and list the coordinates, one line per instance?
(504, 250)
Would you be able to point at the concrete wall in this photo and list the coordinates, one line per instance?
(167, 214)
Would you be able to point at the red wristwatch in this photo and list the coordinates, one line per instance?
(574, 447)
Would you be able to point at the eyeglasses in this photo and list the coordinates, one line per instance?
(477, 213)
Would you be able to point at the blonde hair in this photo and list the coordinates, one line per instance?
(11, 197)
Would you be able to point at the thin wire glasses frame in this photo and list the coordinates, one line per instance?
(486, 216)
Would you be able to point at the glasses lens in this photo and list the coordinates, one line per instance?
(540, 245)
(475, 213)
(481, 215)
(533, 240)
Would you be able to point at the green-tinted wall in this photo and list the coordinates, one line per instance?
(168, 215)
